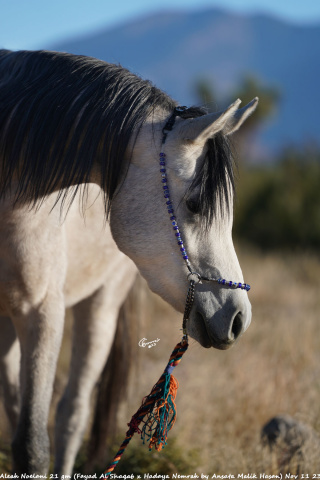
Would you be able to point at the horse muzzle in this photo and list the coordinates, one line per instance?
(220, 328)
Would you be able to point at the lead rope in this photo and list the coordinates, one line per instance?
(159, 406)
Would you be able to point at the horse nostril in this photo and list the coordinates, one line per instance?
(236, 326)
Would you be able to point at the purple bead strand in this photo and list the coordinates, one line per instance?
(243, 286)
(170, 208)
(175, 226)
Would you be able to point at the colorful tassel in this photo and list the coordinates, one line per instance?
(158, 406)
(162, 418)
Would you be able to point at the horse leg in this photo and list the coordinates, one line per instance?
(9, 370)
(32, 278)
(94, 328)
(114, 381)
(40, 333)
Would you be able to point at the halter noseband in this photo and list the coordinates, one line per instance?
(193, 277)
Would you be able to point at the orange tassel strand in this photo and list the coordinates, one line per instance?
(159, 440)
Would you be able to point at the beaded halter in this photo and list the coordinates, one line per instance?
(193, 277)
(157, 412)
(168, 127)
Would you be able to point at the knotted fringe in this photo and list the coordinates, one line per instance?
(158, 406)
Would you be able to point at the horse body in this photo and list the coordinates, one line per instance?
(46, 262)
(67, 122)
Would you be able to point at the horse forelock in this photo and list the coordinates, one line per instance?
(63, 114)
(214, 177)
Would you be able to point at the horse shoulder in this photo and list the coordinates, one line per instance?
(32, 255)
(93, 257)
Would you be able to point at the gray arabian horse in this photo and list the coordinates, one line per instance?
(72, 127)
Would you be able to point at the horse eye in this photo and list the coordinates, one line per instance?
(193, 206)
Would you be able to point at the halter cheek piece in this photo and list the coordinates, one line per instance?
(193, 277)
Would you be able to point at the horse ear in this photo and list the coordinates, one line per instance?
(240, 117)
(228, 121)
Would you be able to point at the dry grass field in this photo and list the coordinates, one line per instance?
(225, 397)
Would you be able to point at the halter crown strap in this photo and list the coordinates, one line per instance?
(170, 122)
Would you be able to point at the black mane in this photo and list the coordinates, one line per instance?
(215, 179)
(60, 114)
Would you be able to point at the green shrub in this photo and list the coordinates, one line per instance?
(278, 206)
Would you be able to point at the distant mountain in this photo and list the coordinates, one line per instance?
(176, 49)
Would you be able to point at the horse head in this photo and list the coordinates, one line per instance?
(197, 153)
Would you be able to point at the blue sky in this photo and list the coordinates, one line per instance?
(28, 24)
